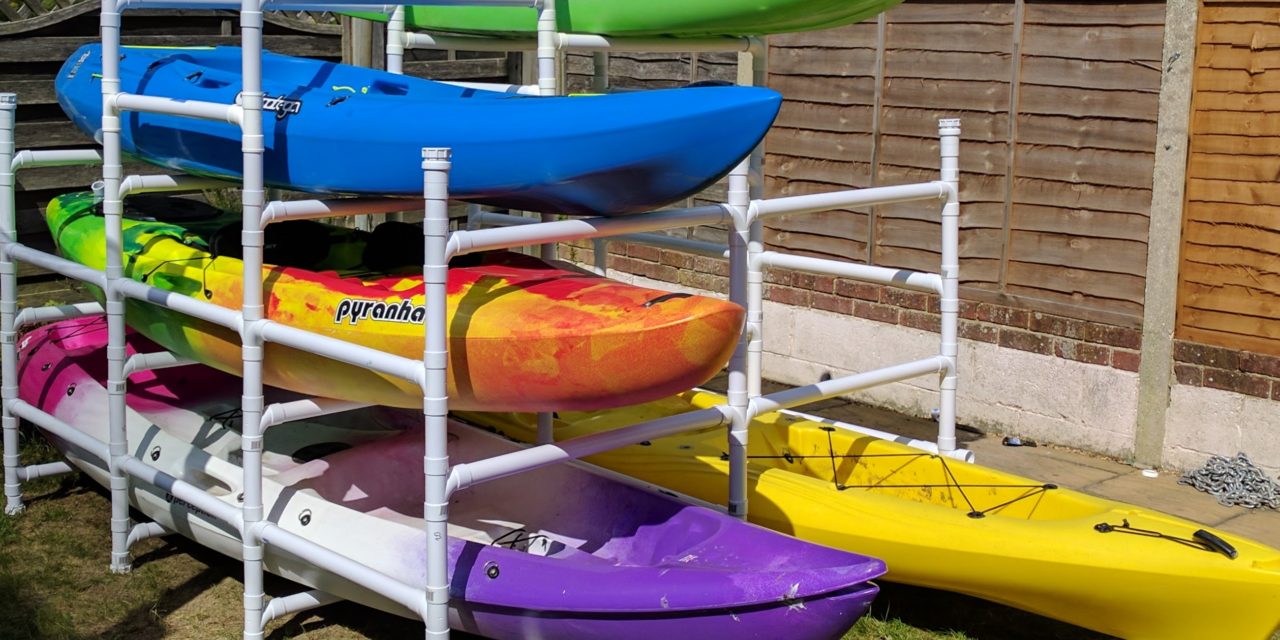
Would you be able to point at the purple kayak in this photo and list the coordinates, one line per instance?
(566, 551)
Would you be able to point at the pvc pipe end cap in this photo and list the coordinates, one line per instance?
(436, 153)
(1150, 473)
(8, 100)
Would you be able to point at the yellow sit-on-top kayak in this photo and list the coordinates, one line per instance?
(946, 524)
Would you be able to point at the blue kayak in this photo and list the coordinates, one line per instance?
(334, 128)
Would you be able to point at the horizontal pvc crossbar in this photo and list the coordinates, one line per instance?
(924, 445)
(279, 210)
(60, 266)
(334, 349)
(46, 470)
(40, 315)
(791, 398)
(229, 113)
(468, 474)
(872, 196)
(917, 280)
(655, 239)
(464, 242)
(282, 412)
(220, 511)
(77, 438)
(520, 89)
(29, 159)
(296, 603)
(183, 304)
(165, 183)
(153, 361)
(579, 42)
(407, 596)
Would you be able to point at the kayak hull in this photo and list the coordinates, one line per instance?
(523, 334)
(1040, 552)
(617, 560)
(333, 128)
(659, 18)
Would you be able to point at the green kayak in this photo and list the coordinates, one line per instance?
(678, 18)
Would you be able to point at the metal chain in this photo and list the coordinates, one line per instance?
(1235, 482)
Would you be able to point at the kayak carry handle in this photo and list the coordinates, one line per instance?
(1217, 544)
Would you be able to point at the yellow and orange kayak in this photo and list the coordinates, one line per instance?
(524, 334)
(1105, 565)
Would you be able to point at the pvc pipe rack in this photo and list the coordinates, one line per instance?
(258, 534)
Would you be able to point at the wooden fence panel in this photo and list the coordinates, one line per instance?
(1058, 102)
(1229, 289)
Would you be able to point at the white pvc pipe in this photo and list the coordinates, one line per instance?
(963, 455)
(852, 198)
(547, 50)
(113, 215)
(739, 197)
(334, 349)
(395, 41)
(592, 42)
(282, 412)
(46, 470)
(906, 279)
(435, 403)
(253, 312)
(186, 305)
(296, 603)
(312, 209)
(468, 474)
(9, 306)
(60, 429)
(577, 41)
(949, 300)
(40, 315)
(162, 183)
(654, 239)
(153, 361)
(464, 242)
(146, 530)
(229, 113)
(797, 396)
(182, 490)
(26, 158)
(497, 87)
(61, 266)
(328, 560)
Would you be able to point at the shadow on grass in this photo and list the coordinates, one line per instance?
(943, 611)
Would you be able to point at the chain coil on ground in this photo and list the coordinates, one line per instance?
(1235, 482)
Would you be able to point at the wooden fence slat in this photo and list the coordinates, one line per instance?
(59, 48)
(1069, 281)
(1099, 254)
(1107, 43)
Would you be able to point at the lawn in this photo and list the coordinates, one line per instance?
(54, 584)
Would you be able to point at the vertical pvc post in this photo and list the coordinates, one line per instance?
(8, 306)
(757, 57)
(600, 255)
(600, 71)
(949, 144)
(547, 48)
(395, 41)
(112, 211)
(546, 427)
(252, 308)
(435, 405)
(739, 258)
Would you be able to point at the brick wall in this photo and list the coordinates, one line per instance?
(1037, 332)
(1201, 365)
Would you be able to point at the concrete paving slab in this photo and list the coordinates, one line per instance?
(1262, 525)
(1164, 494)
(1045, 464)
